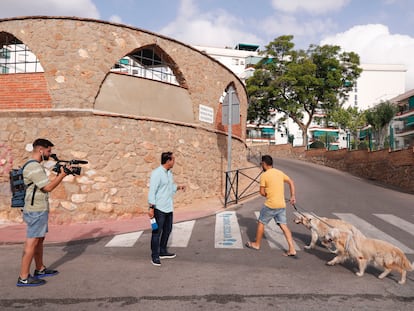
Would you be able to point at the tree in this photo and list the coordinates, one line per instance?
(350, 119)
(379, 117)
(300, 83)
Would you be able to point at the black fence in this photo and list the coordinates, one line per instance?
(248, 177)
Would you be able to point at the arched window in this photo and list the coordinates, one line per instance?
(16, 57)
(149, 62)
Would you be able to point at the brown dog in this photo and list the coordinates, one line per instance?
(364, 250)
(319, 227)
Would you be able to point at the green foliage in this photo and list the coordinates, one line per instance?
(350, 119)
(379, 117)
(363, 145)
(317, 145)
(298, 83)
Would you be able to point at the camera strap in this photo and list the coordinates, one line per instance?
(33, 195)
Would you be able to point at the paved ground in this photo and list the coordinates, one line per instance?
(11, 233)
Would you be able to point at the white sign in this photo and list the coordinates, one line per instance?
(206, 114)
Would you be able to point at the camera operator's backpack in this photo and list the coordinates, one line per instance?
(18, 187)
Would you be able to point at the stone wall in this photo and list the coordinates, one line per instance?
(77, 55)
(121, 154)
(394, 169)
(122, 147)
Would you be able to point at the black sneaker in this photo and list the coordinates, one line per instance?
(167, 255)
(156, 262)
(29, 281)
(44, 273)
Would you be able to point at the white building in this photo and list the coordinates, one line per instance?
(377, 83)
(17, 58)
(239, 59)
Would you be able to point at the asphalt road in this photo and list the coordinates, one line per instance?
(202, 277)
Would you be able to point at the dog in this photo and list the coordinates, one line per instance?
(319, 227)
(364, 250)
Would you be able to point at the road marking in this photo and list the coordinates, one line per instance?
(124, 240)
(372, 232)
(227, 231)
(398, 222)
(181, 233)
(275, 236)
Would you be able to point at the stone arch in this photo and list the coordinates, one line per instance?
(152, 62)
(144, 94)
(22, 80)
(16, 57)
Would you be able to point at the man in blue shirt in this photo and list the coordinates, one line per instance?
(161, 207)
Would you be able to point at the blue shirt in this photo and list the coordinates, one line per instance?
(162, 189)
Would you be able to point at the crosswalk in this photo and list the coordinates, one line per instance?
(227, 232)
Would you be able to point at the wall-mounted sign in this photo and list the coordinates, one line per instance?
(206, 114)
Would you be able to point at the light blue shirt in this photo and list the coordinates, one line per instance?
(162, 189)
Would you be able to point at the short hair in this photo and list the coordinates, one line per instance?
(267, 159)
(165, 156)
(41, 142)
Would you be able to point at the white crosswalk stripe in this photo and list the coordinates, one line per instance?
(181, 233)
(124, 240)
(275, 236)
(372, 232)
(398, 222)
(227, 233)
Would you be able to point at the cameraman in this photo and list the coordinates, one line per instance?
(36, 214)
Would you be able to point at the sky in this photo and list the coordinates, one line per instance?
(379, 31)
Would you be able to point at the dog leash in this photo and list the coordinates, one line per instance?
(311, 213)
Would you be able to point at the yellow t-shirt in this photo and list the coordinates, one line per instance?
(273, 181)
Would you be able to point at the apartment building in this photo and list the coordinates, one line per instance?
(377, 83)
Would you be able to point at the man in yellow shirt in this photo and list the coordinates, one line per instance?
(272, 187)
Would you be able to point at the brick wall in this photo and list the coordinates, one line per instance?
(28, 90)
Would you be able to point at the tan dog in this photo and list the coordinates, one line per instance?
(365, 250)
(319, 227)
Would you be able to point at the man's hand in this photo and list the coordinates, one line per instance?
(151, 212)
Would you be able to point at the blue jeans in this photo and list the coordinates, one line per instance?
(159, 238)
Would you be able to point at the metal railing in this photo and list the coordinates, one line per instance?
(234, 192)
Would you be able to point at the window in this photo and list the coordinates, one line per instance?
(150, 62)
(16, 57)
(4, 53)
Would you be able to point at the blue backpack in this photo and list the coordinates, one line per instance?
(18, 187)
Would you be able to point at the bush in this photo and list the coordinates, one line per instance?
(317, 145)
(363, 145)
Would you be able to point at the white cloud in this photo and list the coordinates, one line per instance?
(309, 6)
(303, 31)
(79, 8)
(213, 28)
(115, 19)
(375, 44)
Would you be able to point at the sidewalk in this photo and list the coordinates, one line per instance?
(16, 233)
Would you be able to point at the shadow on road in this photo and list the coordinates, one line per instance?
(76, 248)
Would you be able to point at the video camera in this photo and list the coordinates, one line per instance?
(74, 170)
